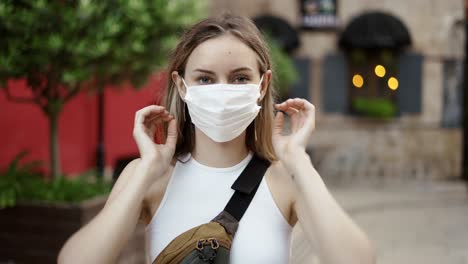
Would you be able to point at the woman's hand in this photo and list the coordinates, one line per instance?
(146, 120)
(302, 114)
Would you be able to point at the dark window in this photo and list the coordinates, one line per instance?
(338, 91)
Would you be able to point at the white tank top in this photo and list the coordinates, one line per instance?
(197, 193)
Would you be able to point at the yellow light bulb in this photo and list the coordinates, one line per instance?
(392, 83)
(358, 81)
(380, 70)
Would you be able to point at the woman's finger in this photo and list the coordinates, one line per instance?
(291, 106)
(303, 118)
(171, 139)
(151, 116)
(291, 111)
(309, 119)
(157, 117)
(278, 124)
(305, 107)
(306, 116)
(284, 107)
(141, 114)
(297, 121)
(297, 103)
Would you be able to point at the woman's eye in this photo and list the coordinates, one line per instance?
(204, 80)
(241, 79)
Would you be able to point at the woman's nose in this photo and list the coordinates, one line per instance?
(223, 80)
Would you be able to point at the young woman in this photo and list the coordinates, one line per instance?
(218, 112)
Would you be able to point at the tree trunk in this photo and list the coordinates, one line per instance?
(100, 151)
(465, 113)
(54, 146)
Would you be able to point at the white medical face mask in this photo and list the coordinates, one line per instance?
(222, 111)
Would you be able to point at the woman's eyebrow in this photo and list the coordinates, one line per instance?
(242, 69)
(205, 71)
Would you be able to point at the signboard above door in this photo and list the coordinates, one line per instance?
(318, 14)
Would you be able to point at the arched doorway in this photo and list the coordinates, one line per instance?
(373, 74)
(373, 42)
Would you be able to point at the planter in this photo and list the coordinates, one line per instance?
(35, 232)
(377, 108)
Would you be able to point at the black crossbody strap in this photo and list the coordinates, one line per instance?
(246, 186)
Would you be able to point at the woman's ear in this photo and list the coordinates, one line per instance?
(177, 79)
(265, 84)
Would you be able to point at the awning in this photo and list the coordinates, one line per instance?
(280, 30)
(375, 30)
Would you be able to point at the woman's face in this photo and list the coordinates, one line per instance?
(224, 59)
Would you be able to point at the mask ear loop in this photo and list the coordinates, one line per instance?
(185, 84)
(183, 101)
(260, 89)
(183, 109)
(261, 80)
(259, 101)
(255, 129)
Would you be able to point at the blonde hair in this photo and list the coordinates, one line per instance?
(259, 132)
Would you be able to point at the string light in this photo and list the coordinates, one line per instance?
(392, 83)
(358, 81)
(380, 70)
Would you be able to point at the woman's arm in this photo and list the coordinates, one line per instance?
(338, 238)
(102, 239)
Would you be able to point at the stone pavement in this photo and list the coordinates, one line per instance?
(415, 222)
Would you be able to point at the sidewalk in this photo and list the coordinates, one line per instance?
(417, 222)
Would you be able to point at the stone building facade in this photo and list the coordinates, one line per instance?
(423, 144)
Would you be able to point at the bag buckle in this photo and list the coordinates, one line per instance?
(214, 243)
(202, 242)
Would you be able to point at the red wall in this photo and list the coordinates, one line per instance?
(24, 126)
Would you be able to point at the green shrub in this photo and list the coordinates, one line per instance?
(284, 71)
(25, 182)
(374, 107)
